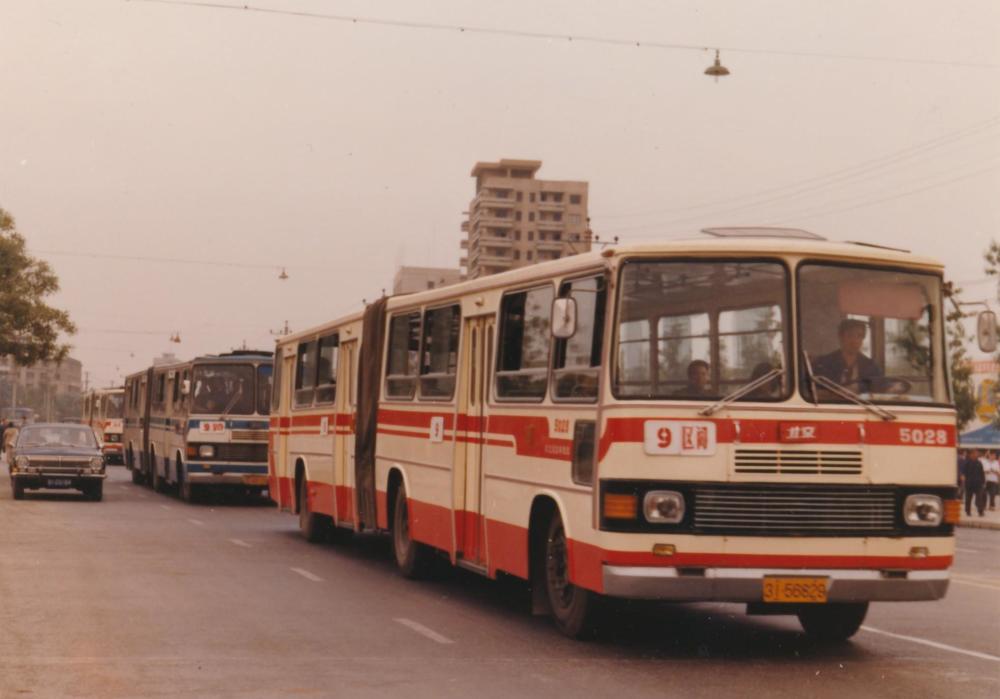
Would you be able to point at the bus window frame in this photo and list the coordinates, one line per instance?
(941, 353)
(455, 304)
(602, 275)
(552, 284)
(790, 335)
(314, 350)
(398, 398)
(316, 388)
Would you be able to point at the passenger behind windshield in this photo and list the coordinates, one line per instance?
(56, 437)
(698, 379)
(848, 365)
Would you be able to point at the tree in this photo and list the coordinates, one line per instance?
(961, 367)
(29, 328)
(992, 259)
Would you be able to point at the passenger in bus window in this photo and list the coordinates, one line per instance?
(848, 365)
(699, 375)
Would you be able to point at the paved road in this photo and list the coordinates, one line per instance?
(143, 595)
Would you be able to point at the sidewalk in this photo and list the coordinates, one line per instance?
(990, 521)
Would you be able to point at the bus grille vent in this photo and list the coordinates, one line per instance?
(797, 462)
(250, 435)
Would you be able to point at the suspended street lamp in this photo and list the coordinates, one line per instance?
(717, 70)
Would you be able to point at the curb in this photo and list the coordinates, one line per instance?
(978, 524)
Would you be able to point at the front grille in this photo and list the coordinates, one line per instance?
(250, 435)
(57, 465)
(240, 452)
(793, 510)
(797, 462)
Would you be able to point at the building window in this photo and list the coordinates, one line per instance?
(530, 255)
(517, 234)
(440, 352)
(531, 197)
(574, 219)
(523, 356)
(520, 196)
(531, 235)
(326, 380)
(575, 198)
(531, 215)
(404, 356)
(517, 254)
(517, 216)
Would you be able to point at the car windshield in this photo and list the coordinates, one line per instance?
(223, 388)
(699, 330)
(56, 436)
(264, 388)
(113, 404)
(873, 332)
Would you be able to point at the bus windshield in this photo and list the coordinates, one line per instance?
(113, 405)
(264, 388)
(223, 388)
(690, 330)
(872, 332)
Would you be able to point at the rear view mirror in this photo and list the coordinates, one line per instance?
(185, 387)
(986, 331)
(564, 318)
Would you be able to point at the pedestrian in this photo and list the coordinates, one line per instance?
(9, 436)
(974, 482)
(9, 425)
(991, 470)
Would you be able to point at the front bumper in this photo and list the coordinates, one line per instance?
(252, 480)
(47, 480)
(746, 585)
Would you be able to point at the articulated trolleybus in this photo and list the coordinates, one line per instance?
(758, 416)
(103, 410)
(200, 424)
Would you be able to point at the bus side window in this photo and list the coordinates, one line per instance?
(305, 374)
(326, 384)
(578, 359)
(523, 357)
(440, 353)
(403, 361)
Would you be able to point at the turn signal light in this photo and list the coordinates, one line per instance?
(952, 511)
(618, 506)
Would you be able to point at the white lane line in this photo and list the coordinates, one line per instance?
(166, 507)
(933, 644)
(424, 631)
(961, 550)
(307, 575)
(141, 495)
(196, 521)
(240, 542)
(988, 583)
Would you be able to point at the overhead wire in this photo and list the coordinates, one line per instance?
(553, 36)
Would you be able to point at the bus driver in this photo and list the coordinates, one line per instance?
(848, 365)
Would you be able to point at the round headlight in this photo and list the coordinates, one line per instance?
(206, 451)
(96, 462)
(22, 462)
(663, 507)
(923, 510)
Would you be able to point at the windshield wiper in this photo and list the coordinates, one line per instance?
(834, 387)
(232, 402)
(742, 391)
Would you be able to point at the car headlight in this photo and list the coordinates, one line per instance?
(22, 462)
(663, 507)
(923, 510)
(206, 451)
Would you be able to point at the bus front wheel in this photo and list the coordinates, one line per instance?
(833, 622)
(572, 607)
(310, 523)
(412, 558)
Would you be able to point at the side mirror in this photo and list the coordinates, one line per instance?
(185, 387)
(564, 318)
(986, 331)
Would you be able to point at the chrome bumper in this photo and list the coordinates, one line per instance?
(241, 479)
(746, 585)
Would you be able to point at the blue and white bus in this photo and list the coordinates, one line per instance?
(200, 424)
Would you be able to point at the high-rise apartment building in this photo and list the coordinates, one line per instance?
(517, 220)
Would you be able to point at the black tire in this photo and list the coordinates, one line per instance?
(187, 491)
(412, 558)
(833, 622)
(18, 489)
(572, 607)
(95, 491)
(158, 482)
(312, 525)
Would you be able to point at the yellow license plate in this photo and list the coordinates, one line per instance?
(798, 590)
(255, 480)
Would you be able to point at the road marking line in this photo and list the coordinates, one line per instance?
(961, 550)
(424, 631)
(933, 644)
(141, 495)
(196, 521)
(240, 542)
(166, 507)
(976, 582)
(307, 575)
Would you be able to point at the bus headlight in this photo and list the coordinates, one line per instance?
(923, 510)
(206, 451)
(663, 507)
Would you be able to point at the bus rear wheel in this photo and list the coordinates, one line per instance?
(833, 622)
(572, 607)
(312, 525)
(412, 558)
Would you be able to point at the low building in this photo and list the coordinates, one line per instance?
(412, 279)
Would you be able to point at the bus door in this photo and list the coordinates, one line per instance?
(473, 417)
(344, 441)
(284, 495)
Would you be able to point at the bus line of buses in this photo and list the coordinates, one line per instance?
(759, 417)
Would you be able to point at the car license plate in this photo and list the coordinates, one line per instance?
(255, 480)
(58, 482)
(808, 590)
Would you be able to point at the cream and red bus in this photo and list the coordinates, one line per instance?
(103, 410)
(757, 416)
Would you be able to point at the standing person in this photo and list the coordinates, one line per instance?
(974, 481)
(991, 470)
(9, 436)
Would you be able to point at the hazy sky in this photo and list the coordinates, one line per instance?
(341, 150)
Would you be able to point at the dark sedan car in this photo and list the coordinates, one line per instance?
(48, 455)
